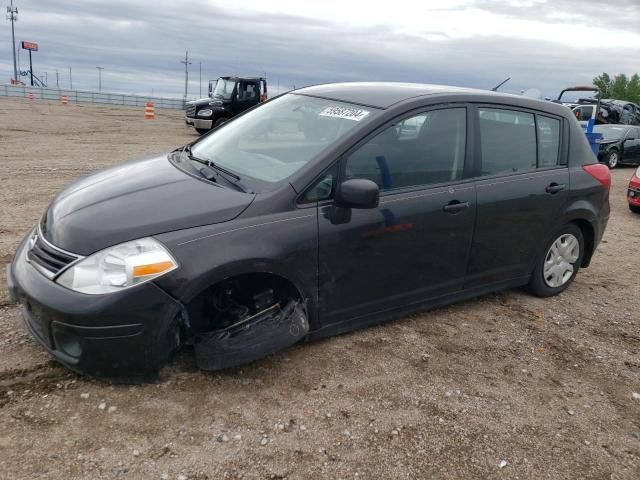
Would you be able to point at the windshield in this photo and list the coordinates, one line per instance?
(224, 88)
(609, 132)
(278, 138)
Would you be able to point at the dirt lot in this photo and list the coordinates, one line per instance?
(541, 387)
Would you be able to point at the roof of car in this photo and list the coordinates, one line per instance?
(385, 94)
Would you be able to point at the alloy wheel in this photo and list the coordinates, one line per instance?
(560, 260)
(613, 160)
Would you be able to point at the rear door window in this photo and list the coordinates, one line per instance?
(508, 141)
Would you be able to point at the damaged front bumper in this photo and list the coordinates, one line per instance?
(267, 332)
(126, 335)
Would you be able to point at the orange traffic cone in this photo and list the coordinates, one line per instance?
(30, 96)
(149, 113)
(64, 99)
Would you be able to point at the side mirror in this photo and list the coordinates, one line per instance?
(357, 193)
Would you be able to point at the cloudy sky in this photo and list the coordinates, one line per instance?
(543, 44)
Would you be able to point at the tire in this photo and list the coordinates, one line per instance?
(219, 122)
(634, 208)
(559, 263)
(613, 159)
(201, 131)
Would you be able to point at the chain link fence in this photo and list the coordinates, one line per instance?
(83, 96)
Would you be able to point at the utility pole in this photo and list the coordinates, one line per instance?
(57, 84)
(30, 68)
(100, 78)
(70, 80)
(12, 16)
(186, 74)
(200, 79)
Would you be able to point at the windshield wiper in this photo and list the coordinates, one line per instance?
(215, 166)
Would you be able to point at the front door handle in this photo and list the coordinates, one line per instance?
(455, 206)
(554, 188)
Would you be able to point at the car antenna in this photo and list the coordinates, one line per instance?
(495, 89)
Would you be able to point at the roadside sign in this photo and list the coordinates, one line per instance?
(30, 46)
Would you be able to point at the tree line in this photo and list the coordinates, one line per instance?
(620, 87)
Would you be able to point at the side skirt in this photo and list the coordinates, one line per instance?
(385, 316)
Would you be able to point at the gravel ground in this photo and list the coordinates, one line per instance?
(504, 386)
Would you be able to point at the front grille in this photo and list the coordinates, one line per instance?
(48, 258)
(191, 111)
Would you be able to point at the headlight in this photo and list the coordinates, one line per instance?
(205, 113)
(119, 267)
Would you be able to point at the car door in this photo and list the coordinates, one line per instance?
(522, 185)
(631, 151)
(415, 244)
(246, 96)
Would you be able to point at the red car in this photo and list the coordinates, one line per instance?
(633, 194)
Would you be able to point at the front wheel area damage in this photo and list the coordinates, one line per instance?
(243, 319)
(255, 337)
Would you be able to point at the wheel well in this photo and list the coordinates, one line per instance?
(238, 297)
(588, 235)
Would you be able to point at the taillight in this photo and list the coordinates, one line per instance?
(600, 172)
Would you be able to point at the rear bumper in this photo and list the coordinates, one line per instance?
(199, 123)
(126, 335)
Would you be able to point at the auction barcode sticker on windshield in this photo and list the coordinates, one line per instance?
(347, 113)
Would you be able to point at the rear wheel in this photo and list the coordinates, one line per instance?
(613, 158)
(201, 131)
(634, 208)
(559, 265)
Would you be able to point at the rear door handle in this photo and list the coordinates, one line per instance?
(455, 206)
(554, 188)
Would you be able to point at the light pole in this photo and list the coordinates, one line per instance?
(12, 16)
(200, 79)
(100, 78)
(186, 74)
(70, 80)
(57, 83)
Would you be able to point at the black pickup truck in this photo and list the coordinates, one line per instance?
(229, 97)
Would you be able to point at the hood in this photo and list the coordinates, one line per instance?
(133, 200)
(202, 102)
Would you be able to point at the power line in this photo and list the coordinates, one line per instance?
(12, 16)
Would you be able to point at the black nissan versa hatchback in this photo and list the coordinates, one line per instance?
(321, 211)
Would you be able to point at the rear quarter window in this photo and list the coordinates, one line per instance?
(548, 141)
